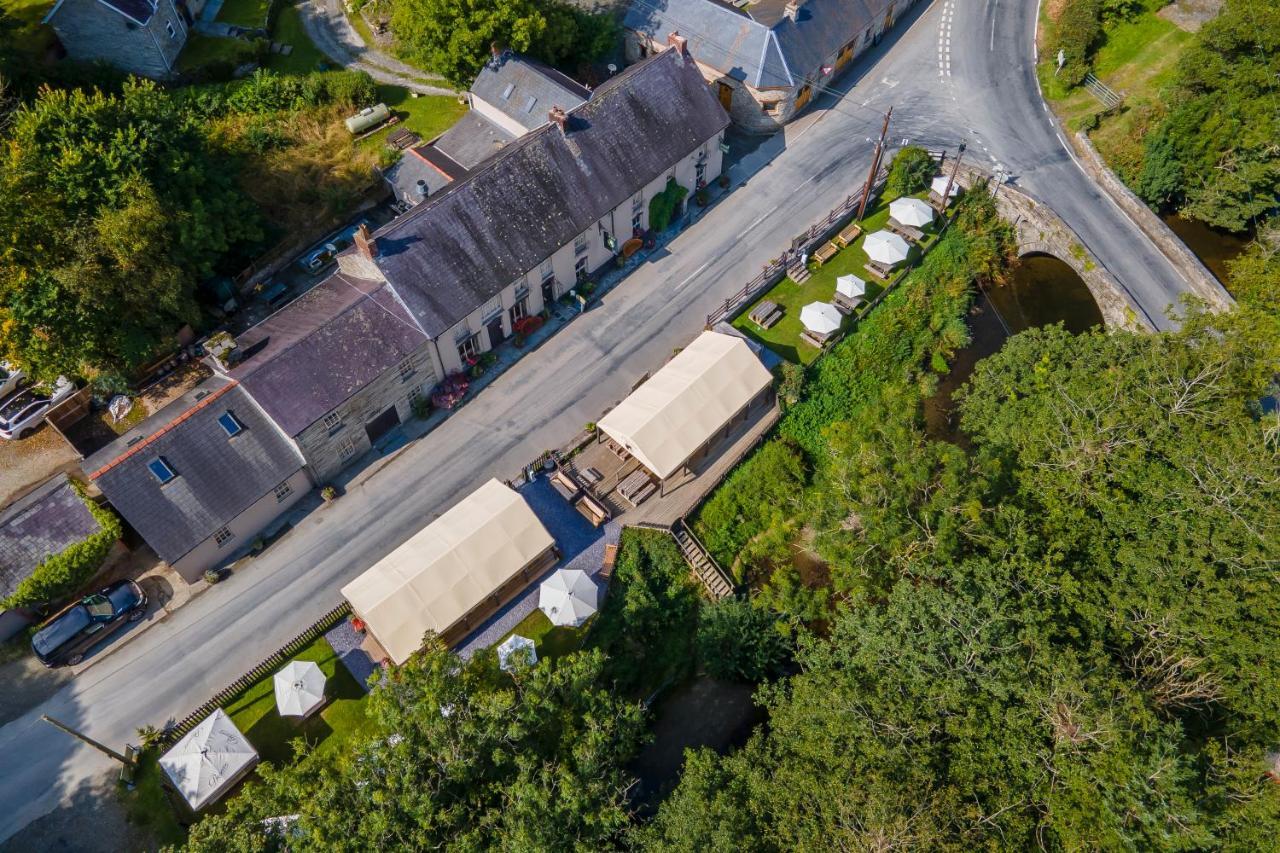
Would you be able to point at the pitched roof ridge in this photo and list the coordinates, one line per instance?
(164, 430)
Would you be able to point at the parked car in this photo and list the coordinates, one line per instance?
(70, 635)
(26, 410)
(320, 258)
(10, 376)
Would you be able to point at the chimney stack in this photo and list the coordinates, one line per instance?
(496, 53)
(679, 42)
(560, 119)
(366, 243)
(792, 9)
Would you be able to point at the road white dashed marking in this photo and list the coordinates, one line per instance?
(944, 40)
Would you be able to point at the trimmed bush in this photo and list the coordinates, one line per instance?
(910, 173)
(1077, 33)
(63, 574)
(663, 206)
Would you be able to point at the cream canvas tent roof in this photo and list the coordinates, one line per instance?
(685, 403)
(447, 568)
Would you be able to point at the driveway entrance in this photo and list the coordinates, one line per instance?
(382, 424)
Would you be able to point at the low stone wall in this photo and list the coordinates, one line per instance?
(1202, 282)
(1042, 231)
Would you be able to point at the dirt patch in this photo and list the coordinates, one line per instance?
(27, 682)
(1053, 9)
(27, 463)
(1191, 15)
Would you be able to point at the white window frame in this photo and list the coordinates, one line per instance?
(222, 536)
(580, 267)
(520, 310)
(347, 449)
(168, 25)
(283, 491)
(407, 369)
(332, 422)
(581, 244)
(469, 347)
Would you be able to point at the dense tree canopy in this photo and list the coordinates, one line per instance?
(462, 756)
(1216, 156)
(111, 209)
(454, 37)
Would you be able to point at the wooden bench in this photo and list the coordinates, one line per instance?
(847, 305)
(607, 564)
(878, 271)
(637, 487)
(851, 232)
(402, 138)
(592, 476)
(594, 512)
(766, 314)
(915, 235)
(813, 340)
(826, 253)
(565, 485)
(617, 449)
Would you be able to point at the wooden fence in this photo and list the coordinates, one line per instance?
(173, 733)
(775, 270)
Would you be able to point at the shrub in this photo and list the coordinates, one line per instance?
(64, 573)
(662, 207)
(1078, 30)
(758, 493)
(737, 641)
(791, 383)
(910, 173)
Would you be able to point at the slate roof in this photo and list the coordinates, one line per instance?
(404, 174)
(524, 89)
(472, 140)
(758, 44)
(450, 255)
(219, 477)
(44, 523)
(305, 359)
(139, 11)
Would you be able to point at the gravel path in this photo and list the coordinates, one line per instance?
(328, 27)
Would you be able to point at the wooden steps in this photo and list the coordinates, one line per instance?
(713, 578)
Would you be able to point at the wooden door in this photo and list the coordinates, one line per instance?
(726, 96)
(802, 97)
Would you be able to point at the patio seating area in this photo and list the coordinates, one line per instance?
(786, 335)
(765, 314)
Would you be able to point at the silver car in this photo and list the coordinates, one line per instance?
(10, 376)
(23, 412)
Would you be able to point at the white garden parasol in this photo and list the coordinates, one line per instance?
(569, 597)
(299, 688)
(886, 248)
(939, 186)
(911, 211)
(209, 760)
(821, 318)
(851, 287)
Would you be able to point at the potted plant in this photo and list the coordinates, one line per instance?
(357, 624)
(702, 197)
(723, 182)
(212, 576)
(329, 494)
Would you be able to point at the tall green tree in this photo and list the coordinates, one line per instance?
(112, 207)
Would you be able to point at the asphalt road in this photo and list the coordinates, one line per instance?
(545, 398)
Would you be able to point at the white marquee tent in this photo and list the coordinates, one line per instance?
(885, 247)
(939, 186)
(209, 760)
(448, 568)
(912, 211)
(521, 648)
(299, 688)
(569, 597)
(664, 421)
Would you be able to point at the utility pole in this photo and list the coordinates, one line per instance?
(875, 165)
(946, 195)
(127, 762)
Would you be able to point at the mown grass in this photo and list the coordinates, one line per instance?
(784, 336)
(244, 13)
(305, 57)
(426, 115)
(550, 641)
(201, 50)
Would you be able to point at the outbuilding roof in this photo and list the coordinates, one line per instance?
(447, 568)
(217, 476)
(759, 44)
(664, 421)
(44, 523)
(450, 255)
(524, 89)
(138, 11)
(307, 358)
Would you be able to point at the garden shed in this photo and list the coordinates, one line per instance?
(454, 573)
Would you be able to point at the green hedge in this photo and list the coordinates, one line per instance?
(663, 205)
(64, 573)
(1076, 34)
(910, 173)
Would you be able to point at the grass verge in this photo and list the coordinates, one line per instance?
(550, 641)
(244, 13)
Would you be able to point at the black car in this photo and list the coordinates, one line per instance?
(68, 637)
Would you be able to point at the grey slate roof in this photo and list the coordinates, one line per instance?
(524, 89)
(404, 174)
(305, 359)
(449, 256)
(44, 523)
(473, 139)
(218, 477)
(136, 10)
(758, 45)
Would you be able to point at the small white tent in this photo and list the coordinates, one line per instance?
(514, 651)
(939, 186)
(209, 760)
(299, 688)
(569, 597)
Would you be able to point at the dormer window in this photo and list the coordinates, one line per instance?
(230, 424)
(161, 470)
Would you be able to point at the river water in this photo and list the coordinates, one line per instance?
(1043, 290)
(1213, 247)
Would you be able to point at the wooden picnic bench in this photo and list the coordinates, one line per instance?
(402, 138)
(592, 476)
(637, 487)
(565, 485)
(609, 561)
(766, 314)
(617, 449)
(915, 235)
(846, 305)
(879, 271)
(813, 340)
(826, 253)
(851, 232)
(594, 511)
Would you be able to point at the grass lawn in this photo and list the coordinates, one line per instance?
(551, 642)
(254, 712)
(148, 805)
(306, 57)
(784, 336)
(362, 27)
(201, 50)
(426, 115)
(244, 13)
